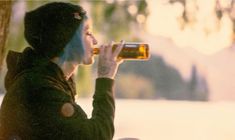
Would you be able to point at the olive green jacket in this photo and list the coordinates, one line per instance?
(39, 103)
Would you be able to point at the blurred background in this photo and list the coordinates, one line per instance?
(185, 91)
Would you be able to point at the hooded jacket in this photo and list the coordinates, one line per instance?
(39, 103)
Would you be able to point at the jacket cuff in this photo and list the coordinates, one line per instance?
(104, 85)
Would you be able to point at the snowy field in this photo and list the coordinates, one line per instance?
(171, 120)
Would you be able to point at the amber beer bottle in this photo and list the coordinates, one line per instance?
(131, 51)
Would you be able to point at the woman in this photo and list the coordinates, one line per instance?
(39, 103)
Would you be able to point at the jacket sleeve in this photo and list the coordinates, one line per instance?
(78, 127)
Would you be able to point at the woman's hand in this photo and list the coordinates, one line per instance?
(108, 61)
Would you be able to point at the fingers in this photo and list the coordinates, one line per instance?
(109, 61)
(108, 51)
(110, 48)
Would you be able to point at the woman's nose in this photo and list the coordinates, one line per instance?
(94, 40)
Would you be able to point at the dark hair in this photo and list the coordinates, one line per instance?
(50, 27)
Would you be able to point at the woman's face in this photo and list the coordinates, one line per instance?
(89, 40)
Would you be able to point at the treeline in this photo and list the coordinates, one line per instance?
(155, 79)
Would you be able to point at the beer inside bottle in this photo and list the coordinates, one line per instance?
(131, 51)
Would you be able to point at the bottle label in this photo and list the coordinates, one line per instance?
(131, 45)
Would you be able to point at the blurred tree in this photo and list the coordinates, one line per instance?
(16, 35)
(142, 88)
(118, 20)
(155, 79)
(166, 80)
(226, 9)
(84, 84)
(198, 88)
(183, 2)
(189, 12)
(193, 83)
(5, 13)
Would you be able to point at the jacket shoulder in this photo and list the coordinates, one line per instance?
(35, 80)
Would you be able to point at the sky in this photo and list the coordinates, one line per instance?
(207, 34)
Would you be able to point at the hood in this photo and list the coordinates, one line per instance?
(18, 62)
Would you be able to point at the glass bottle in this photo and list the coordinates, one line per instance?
(131, 51)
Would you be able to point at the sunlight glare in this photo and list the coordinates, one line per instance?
(206, 33)
(132, 9)
(140, 18)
